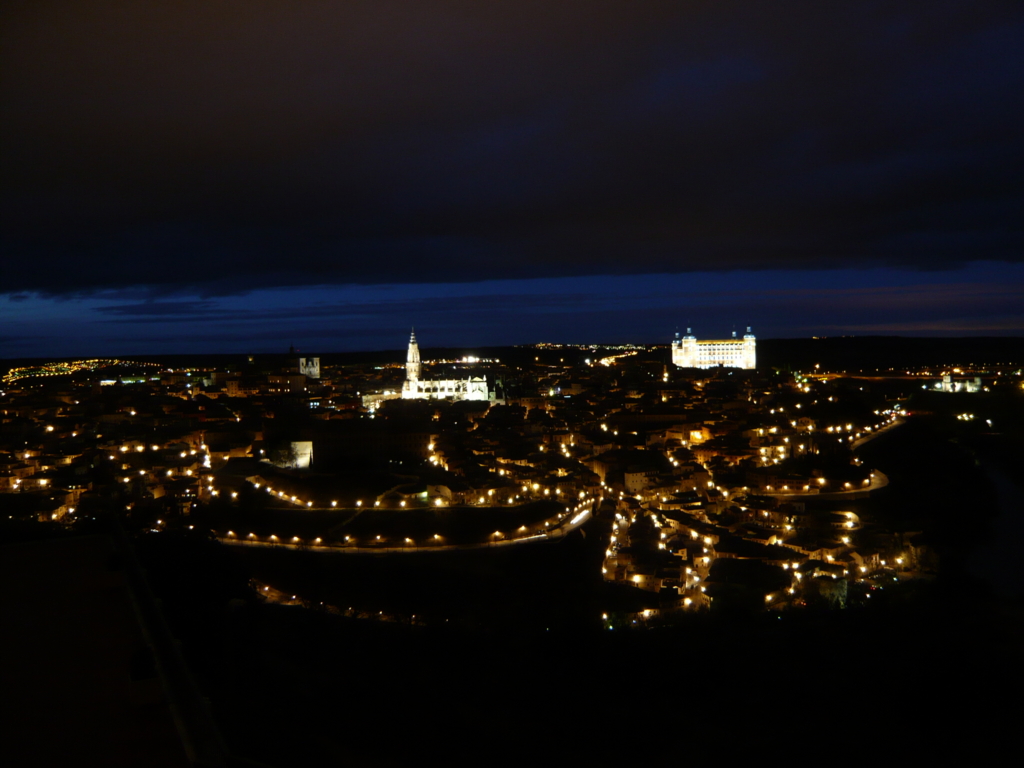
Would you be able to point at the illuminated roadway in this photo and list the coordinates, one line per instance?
(581, 513)
(878, 479)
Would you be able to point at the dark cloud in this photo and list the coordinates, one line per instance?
(229, 145)
(279, 337)
(596, 311)
(162, 310)
(204, 311)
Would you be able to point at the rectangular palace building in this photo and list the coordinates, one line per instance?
(687, 352)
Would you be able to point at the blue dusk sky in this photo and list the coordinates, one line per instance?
(982, 299)
(205, 176)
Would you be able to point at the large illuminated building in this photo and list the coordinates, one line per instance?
(687, 352)
(416, 388)
(948, 384)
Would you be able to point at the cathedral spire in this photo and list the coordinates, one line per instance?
(412, 359)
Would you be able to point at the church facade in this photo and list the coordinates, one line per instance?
(687, 352)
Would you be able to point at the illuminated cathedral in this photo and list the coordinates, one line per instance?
(416, 388)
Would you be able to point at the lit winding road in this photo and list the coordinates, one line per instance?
(581, 513)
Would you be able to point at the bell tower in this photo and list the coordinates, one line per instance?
(412, 359)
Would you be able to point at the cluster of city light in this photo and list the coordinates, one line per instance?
(592, 347)
(845, 432)
(126, 450)
(66, 368)
(466, 360)
(610, 360)
(693, 579)
(623, 521)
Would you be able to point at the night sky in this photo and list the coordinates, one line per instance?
(240, 176)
